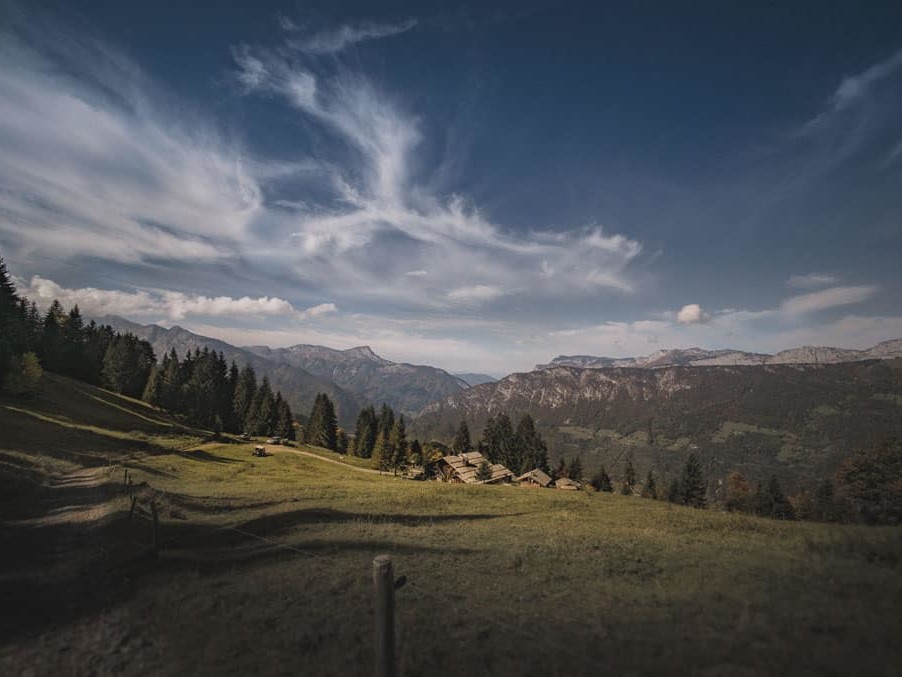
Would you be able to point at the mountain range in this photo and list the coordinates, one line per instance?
(700, 357)
(352, 378)
(794, 420)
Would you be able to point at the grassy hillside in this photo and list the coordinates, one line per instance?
(265, 566)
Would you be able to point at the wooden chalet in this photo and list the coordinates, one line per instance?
(535, 478)
(463, 468)
(566, 483)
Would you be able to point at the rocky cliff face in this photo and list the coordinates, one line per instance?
(797, 421)
(701, 357)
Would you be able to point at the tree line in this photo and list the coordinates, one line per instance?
(201, 389)
(207, 392)
(61, 342)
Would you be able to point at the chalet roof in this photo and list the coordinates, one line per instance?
(465, 466)
(537, 475)
(566, 483)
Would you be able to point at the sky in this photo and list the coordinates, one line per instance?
(477, 187)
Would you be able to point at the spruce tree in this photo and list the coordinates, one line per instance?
(601, 481)
(461, 442)
(575, 469)
(673, 491)
(532, 448)
(484, 472)
(692, 484)
(778, 505)
(245, 390)
(416, 453)
(629, 477)
(650, 489)
(382, 452)
(365, 432)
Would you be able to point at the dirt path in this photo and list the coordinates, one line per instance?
(288, 450)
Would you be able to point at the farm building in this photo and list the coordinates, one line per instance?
(463, 469)
(566, 483)
(535, 478)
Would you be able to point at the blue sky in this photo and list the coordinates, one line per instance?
(479, 188)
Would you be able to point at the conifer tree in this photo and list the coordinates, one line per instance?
(673, 491)
(416, 453)
(692, 484)
(629, 478)
(778, 505)
(601, 481)
(531, 447)
(650, 489)
(461, 442)
(386, 420)
(575, 469)
(365, 432)
(484, 472)
(382, 453)
(245, 390)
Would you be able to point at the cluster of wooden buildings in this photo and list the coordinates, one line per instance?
(473, 468)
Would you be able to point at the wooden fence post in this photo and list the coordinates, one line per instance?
(131, 511)
(156, 526)
(125, 479)
(384, 588)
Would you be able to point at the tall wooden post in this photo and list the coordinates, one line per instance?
(384, 588)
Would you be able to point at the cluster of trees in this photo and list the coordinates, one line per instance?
(207, 392)
(867, 488)
(382, 438)
(689, 489)
(520, 450)
(61, 342)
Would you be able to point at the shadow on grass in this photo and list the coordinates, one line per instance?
(200, 455)
(57, 574)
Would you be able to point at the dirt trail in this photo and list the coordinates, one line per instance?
(287, 450)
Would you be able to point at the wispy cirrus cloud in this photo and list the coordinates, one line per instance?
(827, 298)
(161, 303)
(94, 163)
(811, 281)
(384, 222)
(338, 39)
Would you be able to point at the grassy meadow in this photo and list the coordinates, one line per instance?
(265, 566)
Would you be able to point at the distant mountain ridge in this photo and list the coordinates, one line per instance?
(405, 387)
(299, 387)
(352, 378)
(796, 420)
(700, 357)
(476, 379)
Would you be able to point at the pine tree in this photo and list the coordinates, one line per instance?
(484, 472)
(416, 453)
(382, 453)
(575, 469)
(531, 446)
(629, 478)
(692, 484)
(461, 443)
(601, 481)
(779, 506)
(386, 420)
(398, 445)
(560, 470)
(245, 389)
(650, 489)
(365, 432)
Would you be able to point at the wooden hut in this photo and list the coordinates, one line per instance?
(566, 483)
(535, 478)
(464, 468)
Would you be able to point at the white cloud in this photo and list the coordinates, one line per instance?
(158, 303)
(336, 40)
(354, 241)
(827, 298)
(476, 293)
(416, 273)
(854, 87)
(811, 281)
(692, 313)
(91, 163)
